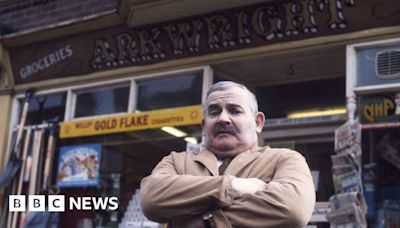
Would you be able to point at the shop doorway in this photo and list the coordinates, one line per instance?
(126, 159)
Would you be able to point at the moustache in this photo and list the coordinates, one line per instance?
(224, 128)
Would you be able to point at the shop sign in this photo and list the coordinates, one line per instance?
(132, 122)
(380, 108)
(245, 27)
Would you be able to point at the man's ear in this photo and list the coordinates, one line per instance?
(202, 123)
(260, 120)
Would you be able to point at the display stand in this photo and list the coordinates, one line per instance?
(348, 204)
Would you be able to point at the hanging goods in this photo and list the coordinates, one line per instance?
(14, 162)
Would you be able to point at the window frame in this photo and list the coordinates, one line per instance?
(351, 68)
(76, 93)
(131, 81)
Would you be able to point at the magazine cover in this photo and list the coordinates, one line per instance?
(78, 165)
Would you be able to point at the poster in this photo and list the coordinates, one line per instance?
(78, 165)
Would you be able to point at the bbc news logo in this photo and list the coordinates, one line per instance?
(56, 203)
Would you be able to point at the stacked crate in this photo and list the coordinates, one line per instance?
(134, 217)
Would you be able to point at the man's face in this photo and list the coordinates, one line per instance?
(230, 127)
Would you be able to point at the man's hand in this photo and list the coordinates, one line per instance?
(248, 185)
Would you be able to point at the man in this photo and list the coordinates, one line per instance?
(260, 187)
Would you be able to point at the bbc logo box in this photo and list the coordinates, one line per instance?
(57, 203)
(36, 203)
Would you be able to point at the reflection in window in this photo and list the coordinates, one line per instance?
(101, 102)
(45, 107)
(169, 92)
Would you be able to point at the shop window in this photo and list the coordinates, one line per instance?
(45, 107)
(381, 174)
(102, 101)
(279, 101)
(169, 92)
(317, 155)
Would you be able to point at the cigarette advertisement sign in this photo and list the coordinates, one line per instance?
(132, 122)
(79, 165)
(380, 108)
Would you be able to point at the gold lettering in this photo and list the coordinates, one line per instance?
(266, 24)
(333, 14)
(184, 33)
(378, 110)
(102, 55)
(243, 34)
(218, 32)
(149, 46)
(292, 20)
(300, 17)
(308, 16)
(368, 112)
(335, 10)
(388, 105)
(126, 48)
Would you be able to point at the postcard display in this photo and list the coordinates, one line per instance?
(348, 206)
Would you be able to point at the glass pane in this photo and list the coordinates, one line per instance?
(301, 96)
(101, 102)
(169, 92)
(46, 107)
(378, 66)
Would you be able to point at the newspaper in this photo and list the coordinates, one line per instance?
(342, 159)
(348, 135)
(348, 206)
(320, 211)
(348, 216)
(341, 200)
(354, 152)
(347, 182)
(338, 170)
(345, 162)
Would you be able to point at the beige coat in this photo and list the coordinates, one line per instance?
(184, 186)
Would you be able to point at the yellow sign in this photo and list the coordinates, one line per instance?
(132, 122)
(379, 108)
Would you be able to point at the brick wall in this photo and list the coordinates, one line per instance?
(34, 14)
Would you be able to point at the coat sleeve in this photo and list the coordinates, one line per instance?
(288, 200)
(168, 196)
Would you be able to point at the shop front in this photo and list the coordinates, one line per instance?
(120, 98)
(373, 91)
(104, 150)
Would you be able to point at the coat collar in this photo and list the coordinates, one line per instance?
(210, 161)
(242, 160)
